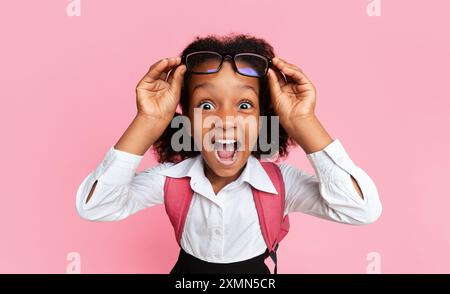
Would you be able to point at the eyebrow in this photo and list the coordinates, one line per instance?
(209, 85)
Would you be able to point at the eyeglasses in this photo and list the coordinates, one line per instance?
(207, 62)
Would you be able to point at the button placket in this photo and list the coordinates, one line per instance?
(217, 235)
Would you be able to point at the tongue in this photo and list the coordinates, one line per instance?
(225, 154)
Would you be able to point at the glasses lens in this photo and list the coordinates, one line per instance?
(203, 62)
(251, 64)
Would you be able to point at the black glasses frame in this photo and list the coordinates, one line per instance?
(223, 56)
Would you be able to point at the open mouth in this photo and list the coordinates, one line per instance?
(226, 150)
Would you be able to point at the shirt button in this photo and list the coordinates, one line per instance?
(217, 231)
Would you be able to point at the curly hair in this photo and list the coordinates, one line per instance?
(230, 44)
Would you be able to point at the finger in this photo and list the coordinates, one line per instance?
(303, 88)
(176, 81)
(171, 73)
(159, 70)
(173, 64)
(280, 76)
(164, 74)
(280, 64)
(292, 71)
(168, 77)
(286, 79)
(156, 70)
(274, 84)
(298, 76)
(289, 79)
(282, 61)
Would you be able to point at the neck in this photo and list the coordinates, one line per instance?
(217, 181)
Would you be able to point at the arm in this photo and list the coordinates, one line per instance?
(136, 140)
(119, 190)
(330, 194)
(309, 133)
(157, 96)
(341, 191)
(294, 101)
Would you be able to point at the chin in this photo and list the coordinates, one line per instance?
(226, 167)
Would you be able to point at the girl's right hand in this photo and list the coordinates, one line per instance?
(157, 98)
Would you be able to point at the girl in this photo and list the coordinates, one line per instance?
(222, 198)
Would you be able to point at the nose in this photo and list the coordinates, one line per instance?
(227, 117)
(226, 57)
(226, 120)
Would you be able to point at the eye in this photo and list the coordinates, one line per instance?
(206, 105)
(245, 105)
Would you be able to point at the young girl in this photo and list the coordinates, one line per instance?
(223, 199)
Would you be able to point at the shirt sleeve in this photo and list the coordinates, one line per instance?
(330, 193)
(120, 191)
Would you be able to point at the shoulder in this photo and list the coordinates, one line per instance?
(293, 176)
(158, 169)
(288, 170)
(179, 169)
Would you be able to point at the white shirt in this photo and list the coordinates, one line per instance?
(224, 228)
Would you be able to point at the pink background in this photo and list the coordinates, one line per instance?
(67, 94)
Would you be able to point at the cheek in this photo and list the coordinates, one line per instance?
(198, 133)
(251, 128)
(201, 130)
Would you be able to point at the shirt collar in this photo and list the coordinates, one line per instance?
(190, 167)
(253, 173)
(256, 175)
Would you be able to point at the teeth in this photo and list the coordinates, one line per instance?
(225, 141)
(225, 144)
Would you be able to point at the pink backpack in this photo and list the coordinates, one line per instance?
(270, 208)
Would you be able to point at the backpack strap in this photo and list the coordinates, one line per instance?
(177, 199)
(274, 225)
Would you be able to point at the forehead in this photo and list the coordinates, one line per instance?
(224, 80)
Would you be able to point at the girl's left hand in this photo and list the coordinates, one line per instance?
(294, 100)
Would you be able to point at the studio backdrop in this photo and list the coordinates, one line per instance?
(68, 73)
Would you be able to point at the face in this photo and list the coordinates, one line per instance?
(224, 111)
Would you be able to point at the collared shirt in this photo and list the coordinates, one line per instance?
(224, 227)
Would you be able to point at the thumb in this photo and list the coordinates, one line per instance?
(176, 81)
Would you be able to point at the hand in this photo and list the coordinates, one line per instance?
(293, 100)
(157, 98)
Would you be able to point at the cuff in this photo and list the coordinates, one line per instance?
(333, 154)
(334, 164)
(118, 167)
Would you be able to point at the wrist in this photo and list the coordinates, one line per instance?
(301, 123)
(150, 122)
(140, 135)
(309, 133)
